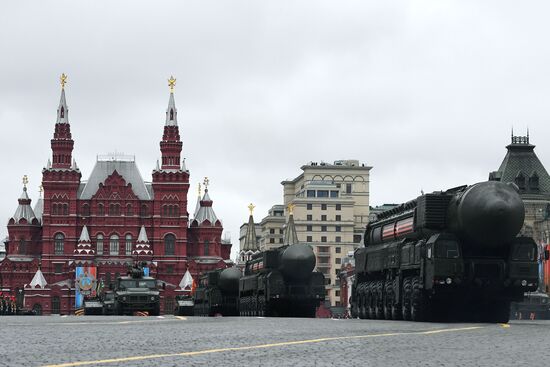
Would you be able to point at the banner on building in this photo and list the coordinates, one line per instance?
(85, 284)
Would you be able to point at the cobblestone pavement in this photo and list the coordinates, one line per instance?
(232, 341)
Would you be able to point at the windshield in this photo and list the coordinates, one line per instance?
(446, 249)
(109, 297)
(524, 252)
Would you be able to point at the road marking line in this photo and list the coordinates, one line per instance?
(260, 346)
(104, 322)
(506, 326)
(181, 318)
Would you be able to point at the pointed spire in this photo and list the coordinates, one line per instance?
(38, 280)
(183, 166)
(49, 164)
(39, 206)
(84, 236)
(205, 211)
(250, 243)
(142, 244)
(197, 207)
(158, 167)
(142, 237)
(171, 111)
(63, 110)
(291, 238)
(24, 210)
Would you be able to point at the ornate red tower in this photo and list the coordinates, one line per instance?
(60, 179)
(170, 187)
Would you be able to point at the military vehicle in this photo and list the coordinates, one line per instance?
(136, 292)
(93, 306)
(218, 293)
(451, 254)
(185, 306)
(281, 282)
(109, 303)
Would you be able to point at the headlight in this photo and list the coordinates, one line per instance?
(152, 298)
(524, 282)
(448, 280)
(124, 299)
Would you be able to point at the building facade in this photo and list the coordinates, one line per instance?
(331, 210)
(109, 221)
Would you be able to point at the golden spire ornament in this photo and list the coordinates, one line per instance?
(172, 83)
(25, 181)
(206, 182)
(200, 189)
(251, 208)
(290, 208)
(63, 79)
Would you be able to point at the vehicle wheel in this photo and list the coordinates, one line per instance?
(498, 312)
(379, 300)
(406, 303)
(396, 312)
(419, 302)
(388, 299)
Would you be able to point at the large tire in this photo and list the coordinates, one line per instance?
(362, 304)
(498, 312)
(388, 299)
(371, 300)
(419, 302)
(379, 300)
(406, 299)
(396, 311)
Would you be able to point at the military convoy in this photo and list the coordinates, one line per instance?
(276, 282)
(446, 255)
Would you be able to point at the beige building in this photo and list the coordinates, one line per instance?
(272, 228)
(331, 212)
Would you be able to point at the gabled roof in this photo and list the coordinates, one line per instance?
(126, 168)
(521, 159)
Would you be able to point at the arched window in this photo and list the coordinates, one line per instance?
(171, 114)
(169, 244)
(113, 245)
(129, 210)
(206, 248)
(65, 209)
(128, 245)
(62, 112)
(59, 244)
(22, 246)
(114, 210)
(144, 210)
(534, 182)
(100, 210)
(99, 244)
(520, 181)
(85, 210)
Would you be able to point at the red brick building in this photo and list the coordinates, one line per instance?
(109, 221)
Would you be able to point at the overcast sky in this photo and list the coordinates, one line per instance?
(426, 92)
